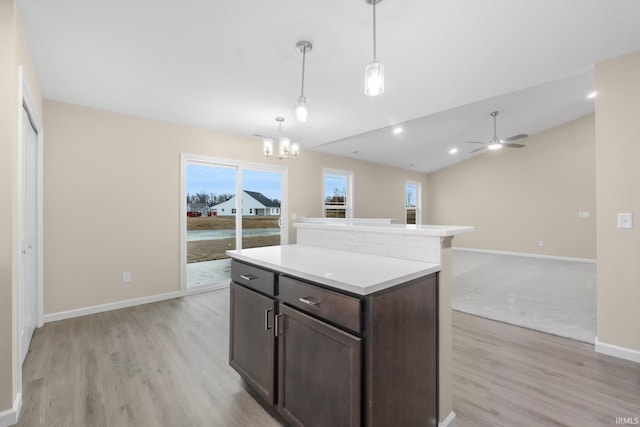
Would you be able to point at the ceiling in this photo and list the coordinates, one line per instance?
(232, 66)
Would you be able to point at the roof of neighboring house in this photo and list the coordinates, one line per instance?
(263, 199)
(196, 206)
(260, 198)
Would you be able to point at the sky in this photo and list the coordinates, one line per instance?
(331, 182)
(220, 180)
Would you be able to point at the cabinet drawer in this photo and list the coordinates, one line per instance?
(335, 307)
(253, 277)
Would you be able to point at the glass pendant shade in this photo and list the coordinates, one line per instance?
(285, 147)
(302, 109)
(267, 147)
(295, 149)
(374, 79)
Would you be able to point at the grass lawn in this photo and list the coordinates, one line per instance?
(209, 250)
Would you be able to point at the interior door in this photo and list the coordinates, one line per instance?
(28, 281)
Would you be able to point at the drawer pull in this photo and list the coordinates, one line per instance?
(248, 277)
(309, 301)
(266, 319)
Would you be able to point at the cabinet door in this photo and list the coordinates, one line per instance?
(319, 372)
(251, 339)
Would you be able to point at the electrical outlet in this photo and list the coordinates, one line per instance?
(540, 243)
(126, 277)
(583, 214)
(625, 220)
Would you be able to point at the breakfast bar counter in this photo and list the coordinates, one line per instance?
(350, 326)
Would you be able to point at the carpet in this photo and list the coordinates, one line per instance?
(553, 296)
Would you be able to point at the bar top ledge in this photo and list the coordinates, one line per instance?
(386, 228)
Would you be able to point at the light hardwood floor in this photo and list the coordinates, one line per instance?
(166, 364)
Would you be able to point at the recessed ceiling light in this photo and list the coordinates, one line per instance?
(397, 130)
(355, 152)
(592, 95)
(453, 151)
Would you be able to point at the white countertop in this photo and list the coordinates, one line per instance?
(359, 273)
(405, 229)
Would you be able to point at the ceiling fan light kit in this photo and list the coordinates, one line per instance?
(495, 143)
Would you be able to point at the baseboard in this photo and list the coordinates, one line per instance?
(61, 315)
(9, 417)
(524, 254)
(617, 351)
(450, 421)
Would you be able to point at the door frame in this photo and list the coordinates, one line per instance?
(239, 165)
(26, 102)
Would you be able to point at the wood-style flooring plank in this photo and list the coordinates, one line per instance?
(160, 364)
(510, 376)
(166, 364)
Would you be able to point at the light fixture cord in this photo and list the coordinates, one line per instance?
(495, 133)
(374, 30)
(304, 55)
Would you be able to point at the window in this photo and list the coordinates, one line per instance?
(337, 193)
(412, 202)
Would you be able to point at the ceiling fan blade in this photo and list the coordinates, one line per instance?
(515, 138)
(477, 149)
(475, 142)
(514, 145)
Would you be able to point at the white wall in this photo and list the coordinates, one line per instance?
(124, 164)
(516, 197)
(618, 190)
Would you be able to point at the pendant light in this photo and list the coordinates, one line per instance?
(374, 72)
(302, 107)
(286, 148)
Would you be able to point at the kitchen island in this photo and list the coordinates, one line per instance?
(345, 328)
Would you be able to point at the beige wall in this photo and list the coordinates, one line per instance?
(112, 199)
(517, 197)
(14, 52)
(618, 190)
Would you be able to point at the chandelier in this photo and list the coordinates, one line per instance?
(285, 150)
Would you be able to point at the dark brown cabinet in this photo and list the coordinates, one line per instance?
(325, 357)
(319, 372)
(251, 339)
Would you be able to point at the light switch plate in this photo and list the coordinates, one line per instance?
(625, 220)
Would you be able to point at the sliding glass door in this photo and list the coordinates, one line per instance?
(228, 205)
(261, 208)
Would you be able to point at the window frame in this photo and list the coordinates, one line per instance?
(418, 201)
(348, 175)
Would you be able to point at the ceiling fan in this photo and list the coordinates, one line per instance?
(495, 143)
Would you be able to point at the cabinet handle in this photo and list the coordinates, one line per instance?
(266, 319)
(276, 325)
(248, 276)
(309, 301)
